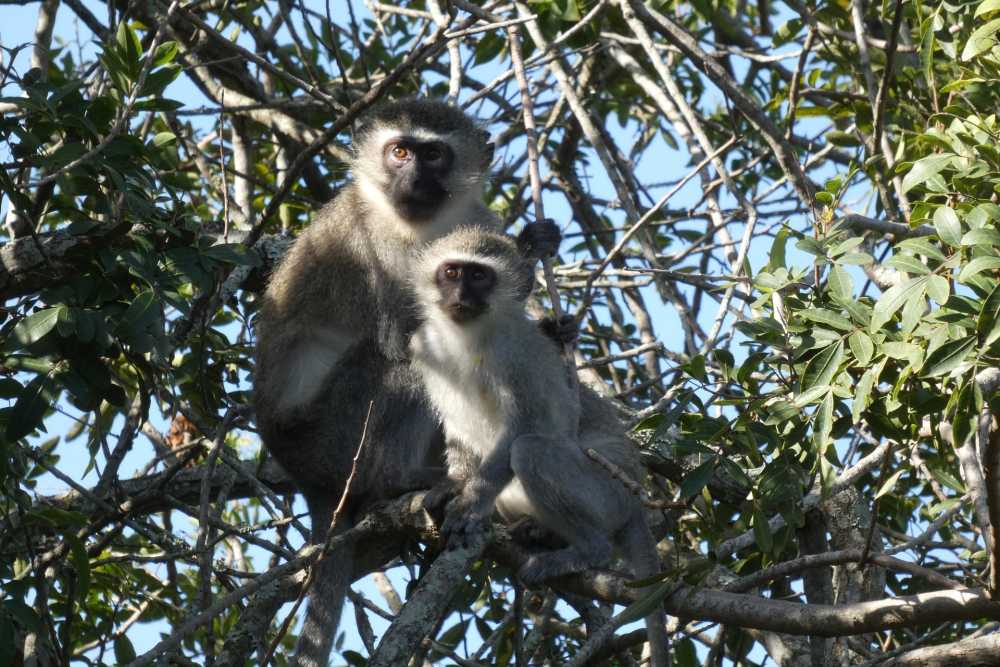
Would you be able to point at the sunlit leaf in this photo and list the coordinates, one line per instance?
(861, 347)
(948, 226)
(924, 168)
(823, 366)
(982, 39)
(894, 298)
(32, 329)
(948, 357)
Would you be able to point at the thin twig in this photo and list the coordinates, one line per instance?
(632, 485)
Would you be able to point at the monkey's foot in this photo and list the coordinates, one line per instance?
(540, 567)
(529, 533)
(570, 560)
(463, 529)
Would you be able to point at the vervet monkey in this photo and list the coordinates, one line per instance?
(512, 440)
(333, 325)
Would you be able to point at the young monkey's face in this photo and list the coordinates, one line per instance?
(464, 289)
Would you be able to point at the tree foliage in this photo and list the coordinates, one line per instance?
(781, 230)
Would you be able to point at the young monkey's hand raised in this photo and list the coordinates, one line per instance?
(539, 240)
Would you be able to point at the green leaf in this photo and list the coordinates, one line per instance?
(32, 329)
(811, 396)
(140, 313)
(846, 246)
(86, 325)
(963, 421)
(823, 366)
(938, 289)
(696, 480)
(948, 226)
(894, 298)
(776, 259)
(907, 263)
(978, 265)
(647, 603)
(31, 406)
(9, 388)
(762, 531)
(913, 313)
(982, 39)
(890, 483)
(862, 393)
(840, 283)
(982, 236)
(827, 317)
(859, 258)
(164, 138)
(989, 316)
(685, 654)
(232, 253)
(861, 347)
(81, 564)
(922, 246)
(987, 7)
(958, 84)
(124, 651)
(130, 48)
(924, 168)
(165, 53)
(948, 357)
(823, 424)
(696, 368)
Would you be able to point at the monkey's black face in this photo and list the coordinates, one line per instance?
(465, 289)
(418, 173)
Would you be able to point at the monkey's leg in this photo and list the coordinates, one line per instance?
(571, 497)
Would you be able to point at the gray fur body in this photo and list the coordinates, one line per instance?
(499, 387)
(331, 339)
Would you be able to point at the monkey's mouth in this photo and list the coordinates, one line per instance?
(464, 312)
(421, 204)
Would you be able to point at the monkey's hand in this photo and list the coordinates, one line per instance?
(464, 523)
(539, 240)
(563, 330)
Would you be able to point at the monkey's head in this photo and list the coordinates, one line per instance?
(421, 155)
(472, 274)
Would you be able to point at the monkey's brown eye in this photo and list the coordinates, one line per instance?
(451, 273)
(400, 152)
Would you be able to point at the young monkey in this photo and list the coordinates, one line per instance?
(499, 386)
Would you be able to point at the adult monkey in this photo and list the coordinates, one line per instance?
(334, 322)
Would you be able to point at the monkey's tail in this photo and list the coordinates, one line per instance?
(646, 563)
(326, 601)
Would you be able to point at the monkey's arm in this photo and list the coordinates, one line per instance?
(468, 514)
